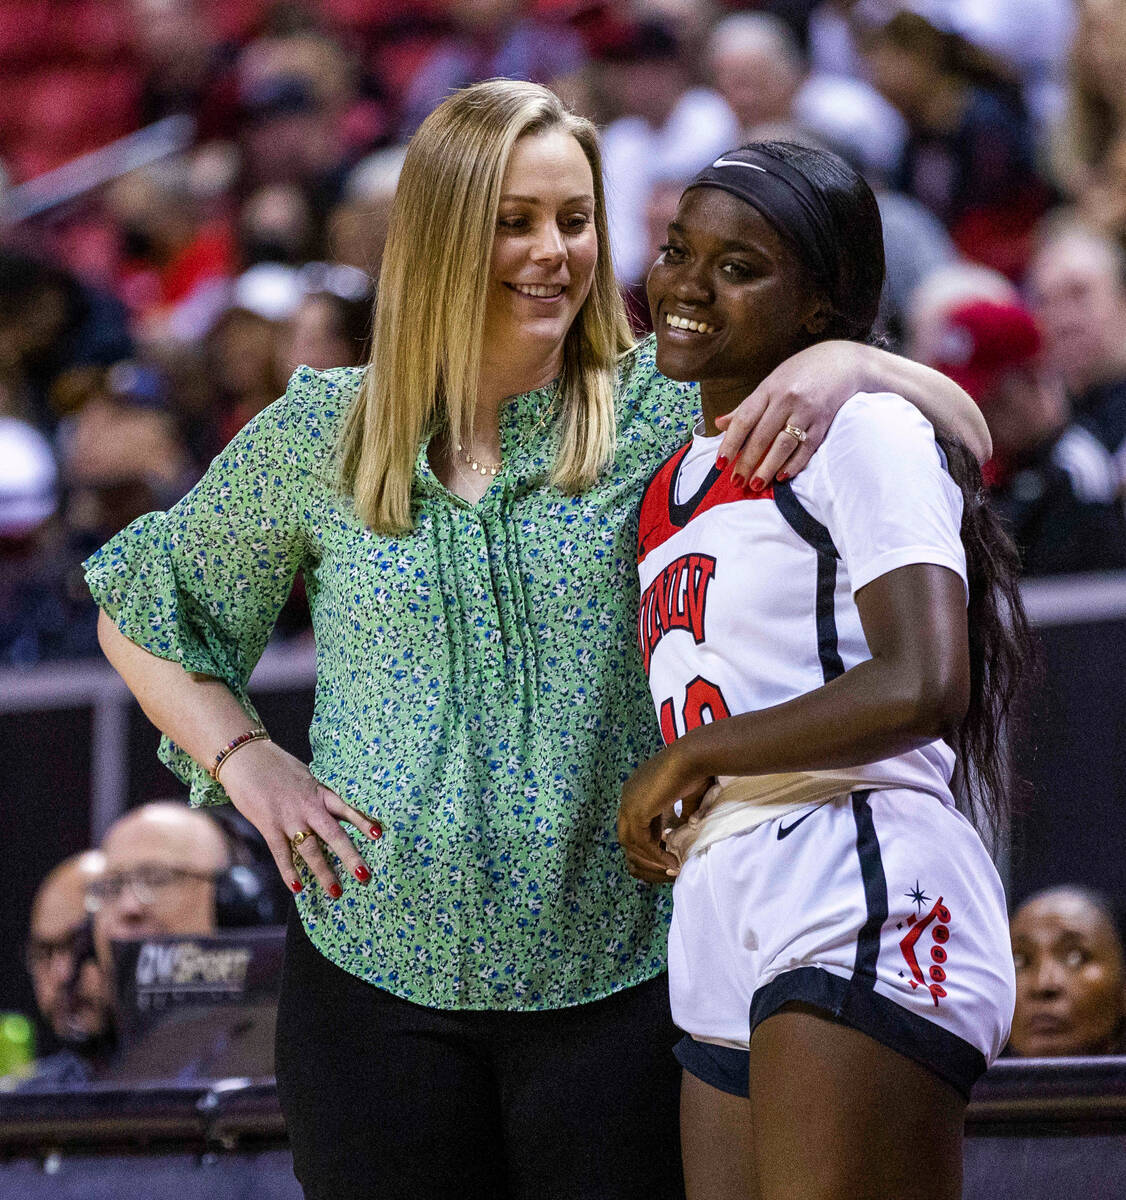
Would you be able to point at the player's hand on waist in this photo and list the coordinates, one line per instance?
(648, 813)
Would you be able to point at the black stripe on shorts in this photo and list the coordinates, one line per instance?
(875, 890)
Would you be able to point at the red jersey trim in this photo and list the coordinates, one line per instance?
(657, 521)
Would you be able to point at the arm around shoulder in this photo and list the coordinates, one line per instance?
(945, 405)
(809, 388)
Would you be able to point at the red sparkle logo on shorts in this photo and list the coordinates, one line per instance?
(939, 919)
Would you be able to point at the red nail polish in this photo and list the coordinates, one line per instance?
(336, 891)
(362, 873)
(295, 886)
(783, 476)
(756, 484)
(376, 830)
(720, 463)
(738, 480)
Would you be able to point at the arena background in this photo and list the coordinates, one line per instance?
(201, 188)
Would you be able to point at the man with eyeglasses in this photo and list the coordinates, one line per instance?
(70, 988)
(161, 861)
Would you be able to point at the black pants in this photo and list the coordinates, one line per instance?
(388, 1100)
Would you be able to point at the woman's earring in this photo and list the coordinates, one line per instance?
(816, 322)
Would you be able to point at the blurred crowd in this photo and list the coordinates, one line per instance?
(163, 870)
(147, 313)
(167, 871)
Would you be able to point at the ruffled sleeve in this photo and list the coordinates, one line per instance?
(202, 584)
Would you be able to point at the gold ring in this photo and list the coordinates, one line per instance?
(796, 432)
(299, 837)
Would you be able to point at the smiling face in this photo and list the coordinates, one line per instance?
(730, 300)
(545, 247)
(1071, 984)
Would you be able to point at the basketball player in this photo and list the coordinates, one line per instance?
(839, 952)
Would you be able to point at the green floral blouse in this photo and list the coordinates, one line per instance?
(479, 686)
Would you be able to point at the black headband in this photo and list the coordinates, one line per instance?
(784, 197)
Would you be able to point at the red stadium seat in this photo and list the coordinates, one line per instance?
(25, 31)
(73, 109)
(234, 20)
(397, 62)
(96, 29)
(370, 14)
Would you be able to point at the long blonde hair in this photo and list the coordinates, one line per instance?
(426, 347)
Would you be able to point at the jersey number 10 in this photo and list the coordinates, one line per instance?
(703, 703)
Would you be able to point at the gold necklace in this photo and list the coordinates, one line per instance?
(491, 469)
(474, 465)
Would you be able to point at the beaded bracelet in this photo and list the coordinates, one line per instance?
(251, 735)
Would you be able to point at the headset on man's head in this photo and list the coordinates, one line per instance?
(248, 891)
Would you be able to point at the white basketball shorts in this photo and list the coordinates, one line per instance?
(881, 908)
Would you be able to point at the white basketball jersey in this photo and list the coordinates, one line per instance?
(747, 600)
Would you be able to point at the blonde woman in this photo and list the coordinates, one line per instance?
(475, 1005)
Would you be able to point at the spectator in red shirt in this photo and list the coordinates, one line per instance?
(176, 260)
